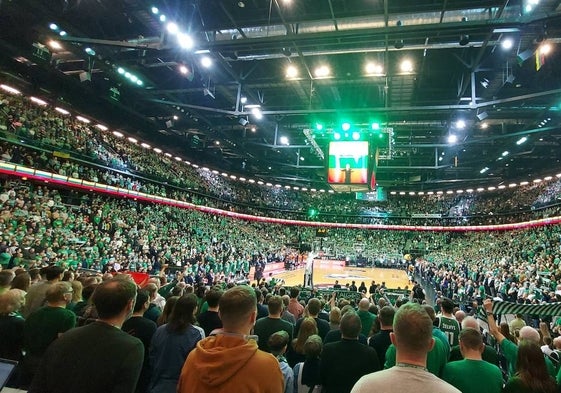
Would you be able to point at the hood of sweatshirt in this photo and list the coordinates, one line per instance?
(219, 358)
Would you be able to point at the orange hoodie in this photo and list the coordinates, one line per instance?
(226, 364)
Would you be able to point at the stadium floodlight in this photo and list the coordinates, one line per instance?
(521, 140)
(206, 62)
(172, 28)
(507, 43)
(185, 41)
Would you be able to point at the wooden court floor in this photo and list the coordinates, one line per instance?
(325, 276)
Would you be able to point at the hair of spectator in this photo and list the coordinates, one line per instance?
(278, 341)
(11, 301)
(258, 294)
(112, 296)
(314, 306)
(313, 346)
(346, 309)
(168, 308)
(286, 300)
(470, 322)
(151, 288)
(53, 272)
(275, 305)
(412, 327)
(88, 291)
(77, 289)
(6, 277)
(471, 338)
(350, 325)
(386, 315)
(21, 281)
(335, 315)
(364, 304)
(236, 305)
(294, 292)
(532, 369)
(183, 313)
(141, 298)
(307, 328)
(213, 296)
(430, 311)
(57, 291)
(530, 334)
(447, 305)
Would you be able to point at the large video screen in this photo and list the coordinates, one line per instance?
(348, 162)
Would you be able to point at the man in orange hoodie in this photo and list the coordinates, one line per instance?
(230, 360)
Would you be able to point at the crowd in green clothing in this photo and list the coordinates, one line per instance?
(139, 168)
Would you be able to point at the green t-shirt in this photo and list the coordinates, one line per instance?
(473, 376)
(510, 352)
(436, 358)
(43, 326)
(367, 319)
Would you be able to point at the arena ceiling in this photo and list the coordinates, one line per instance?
(463, 81)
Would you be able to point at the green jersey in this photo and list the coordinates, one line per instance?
(451, 328)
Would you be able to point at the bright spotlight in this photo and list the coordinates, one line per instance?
(291, 71)
(155, 10)
(185, 41)
(505, 153)
(461, 124)
(206, 62)
(336, 136)
(545, 49)
(257, 113)
(406, 66)
(172, 28)
(322, 71)
(61, 110)
(484, 126)
(507, 44)
(319, 126)
(452, 138)
(284, 140)
(53, 26)
(373, 68)
(243, 100)
(55, 44)
(346, 126)
(63, 33)
(356, 136)
(162, 18)
(375, 126)
(521, 140)
(121, 70)
(183, 69)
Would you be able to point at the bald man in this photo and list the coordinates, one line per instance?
(366, 317)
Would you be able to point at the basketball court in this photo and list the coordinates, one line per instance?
(327, 271)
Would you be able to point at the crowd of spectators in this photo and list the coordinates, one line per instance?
(33, 133)
(60, 248)
(336, 345)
